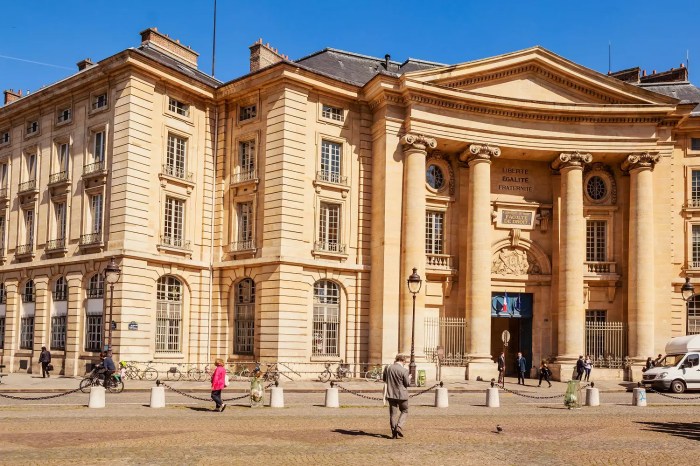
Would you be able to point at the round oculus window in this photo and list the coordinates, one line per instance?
(434, 177)
(596, 188)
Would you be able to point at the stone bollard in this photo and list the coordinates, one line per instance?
(639, 397)
(592, 396)
(277, 396)
(492, 400)
(97, 397)
(441, 400)
(158, 397)
(332, 397)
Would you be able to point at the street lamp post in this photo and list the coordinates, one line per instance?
(688, 292)
(414, 284)
(111, 275)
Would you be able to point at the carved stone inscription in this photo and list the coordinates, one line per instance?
(516, 218)
(514, 180)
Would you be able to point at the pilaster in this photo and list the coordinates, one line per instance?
(74, 325)
(12, 313)
(42, 320)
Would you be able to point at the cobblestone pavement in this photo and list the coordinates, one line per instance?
(63, 430)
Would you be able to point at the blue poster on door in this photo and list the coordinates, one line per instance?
(514, 305)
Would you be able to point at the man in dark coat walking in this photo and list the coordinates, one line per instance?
(520, 368)
(580, 365)
(45, 360)
(501, 368)
(397, 382)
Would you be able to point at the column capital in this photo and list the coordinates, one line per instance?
(572, 159)
(480, 152)
(418, 142)
(642, 160)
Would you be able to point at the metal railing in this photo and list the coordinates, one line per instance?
(23, 249)
(174, 242)
(606, 343)
(449, 333)
(243, 245)
(244, 175)
(326, 176)
(694, 265)
(693, 203)
(600, 267)
(177, 172)
(90, 238)
(55, 244)
(92, 168)
(59, 177)
(26, 186)
(327, 246)
(438, 261)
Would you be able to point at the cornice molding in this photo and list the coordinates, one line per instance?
(571, 160)
(643, 160)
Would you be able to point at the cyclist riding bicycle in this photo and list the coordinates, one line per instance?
(109, 368)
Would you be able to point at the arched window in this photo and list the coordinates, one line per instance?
(244, 316)
(29, 294)
(96, 287)
(168, 315)
(326, 319)
(60, 290)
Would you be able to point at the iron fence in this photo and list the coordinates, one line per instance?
(450, 334)
(606, 343)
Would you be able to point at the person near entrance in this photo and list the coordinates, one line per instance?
(580, 368)
(545, 373)
(520, 368)
(397, 382)
(45, 360)
(501, 368)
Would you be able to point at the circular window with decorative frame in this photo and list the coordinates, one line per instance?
(599, 185)
(438, 176)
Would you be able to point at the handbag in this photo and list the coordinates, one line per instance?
(226, 381)
(49, 367)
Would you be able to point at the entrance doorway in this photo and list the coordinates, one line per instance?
(512, 312)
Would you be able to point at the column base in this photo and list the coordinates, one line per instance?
(563, 371)
(483, 368)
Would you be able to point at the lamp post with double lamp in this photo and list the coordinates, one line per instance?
(414, 284)
(688, 292)
(111, 275)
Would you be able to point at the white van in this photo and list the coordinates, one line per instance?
(679, 369)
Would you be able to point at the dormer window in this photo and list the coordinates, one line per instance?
(32, 127)
(178, 107)
(247, 112)
(99, 101)
(64, 115)
(332, 113)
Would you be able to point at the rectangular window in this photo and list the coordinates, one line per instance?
(173, 222)
(5, 137)
(330, 161)
(95, 226)
(2, 332)
(326, 325)
(60, 218)
(64, 115)
(332, 113)
(2, 236)
(93, 333)
(168, 318)
(175, 156)
(31, 166)
(434, 232)
(3, 177)
(26, 334)
(32, 127)
(247, 112)
(178, 107)
(596, 316)
(246, 158)
(58, 332)
(245, 224)
(245, 318)
(63, 156)
(695, 188)
(329, 228)
(695, 247)
(694, 143)
(29, 227)
(98, 148)
(99, 101)
(596, 241)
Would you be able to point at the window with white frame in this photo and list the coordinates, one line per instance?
(247, 112)
(30, 166)
(246, 160)
(594, 315)
(330, 162)
(2, 331)
(2, 233)
(64, 115)
(434, 232)
(244, 237)
(244, 317)
(173, 222)
(29, 227)
(329, 228)
(29, 292)
(693, 316)
(32, 127)
(695, 188)
(3, 308)
(326, 321)
(3, 176)
(596, 240)
(98, 146)
(332, 113)
(59, 209)
(60, 290)
(178, 107)
(63, 156)
(93, 332)
(175, 156)
(99, 101)
(168, 315)
(26, 333)
(695, 247)
(3, 294)
(96, 287)
(94, 226)
(58, 332)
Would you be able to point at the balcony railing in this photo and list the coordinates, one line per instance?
(3, 192)
(243, 245)
(92, 168)
(56, 244)
(693, 203)
(245, 175)
(329, 246)
(694, 264)
(600, 267)
(27, 186)
(59, 177)
(438, 261)
(90, 239)
(174, 242)
(326, 176)
(24, 249)
(177, 172)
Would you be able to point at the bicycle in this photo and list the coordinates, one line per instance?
(195, 373)
(375, 374)
(132, 372)
(114, 384)
(174, 373)
(340, 374)
(149, 373)
(271, 374)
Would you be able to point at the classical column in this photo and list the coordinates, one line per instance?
(477, 279)
(413, 238)
(640, 304)
(572, 254)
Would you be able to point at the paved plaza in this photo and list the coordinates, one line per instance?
(63, 430)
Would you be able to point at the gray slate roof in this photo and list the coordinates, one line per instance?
(177, 65)
(686, 92)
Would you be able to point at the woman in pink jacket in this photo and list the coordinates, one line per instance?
(218, 382)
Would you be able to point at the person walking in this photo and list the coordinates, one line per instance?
(520, 368)
(649, 365)
(218, 382)
(501, 368)
(397, 381)
(579, 368)
(545, 373)
(587, 367)
(45, 360)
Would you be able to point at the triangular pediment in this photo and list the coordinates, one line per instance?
(537, 75)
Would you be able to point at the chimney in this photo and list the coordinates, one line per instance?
(173, 48)
(387, 59)
(262, 55)
(86, 63)
(11, 96)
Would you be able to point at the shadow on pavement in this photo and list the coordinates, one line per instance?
(689, 430)
(360, 433)
(200, 408)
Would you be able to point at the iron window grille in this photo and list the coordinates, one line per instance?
(64, 115)
(58, 332)
(32, 127)
(168, 315)
(93, 333)
(326, 319)
(99, 101)
(244, 314)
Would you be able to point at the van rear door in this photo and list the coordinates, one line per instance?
(692, 370)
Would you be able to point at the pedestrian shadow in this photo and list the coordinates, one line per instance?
(200, 408)
(689, 430)
(356, 433)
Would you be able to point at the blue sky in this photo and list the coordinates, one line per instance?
(648, 34)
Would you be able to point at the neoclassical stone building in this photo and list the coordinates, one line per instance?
(277, 216)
